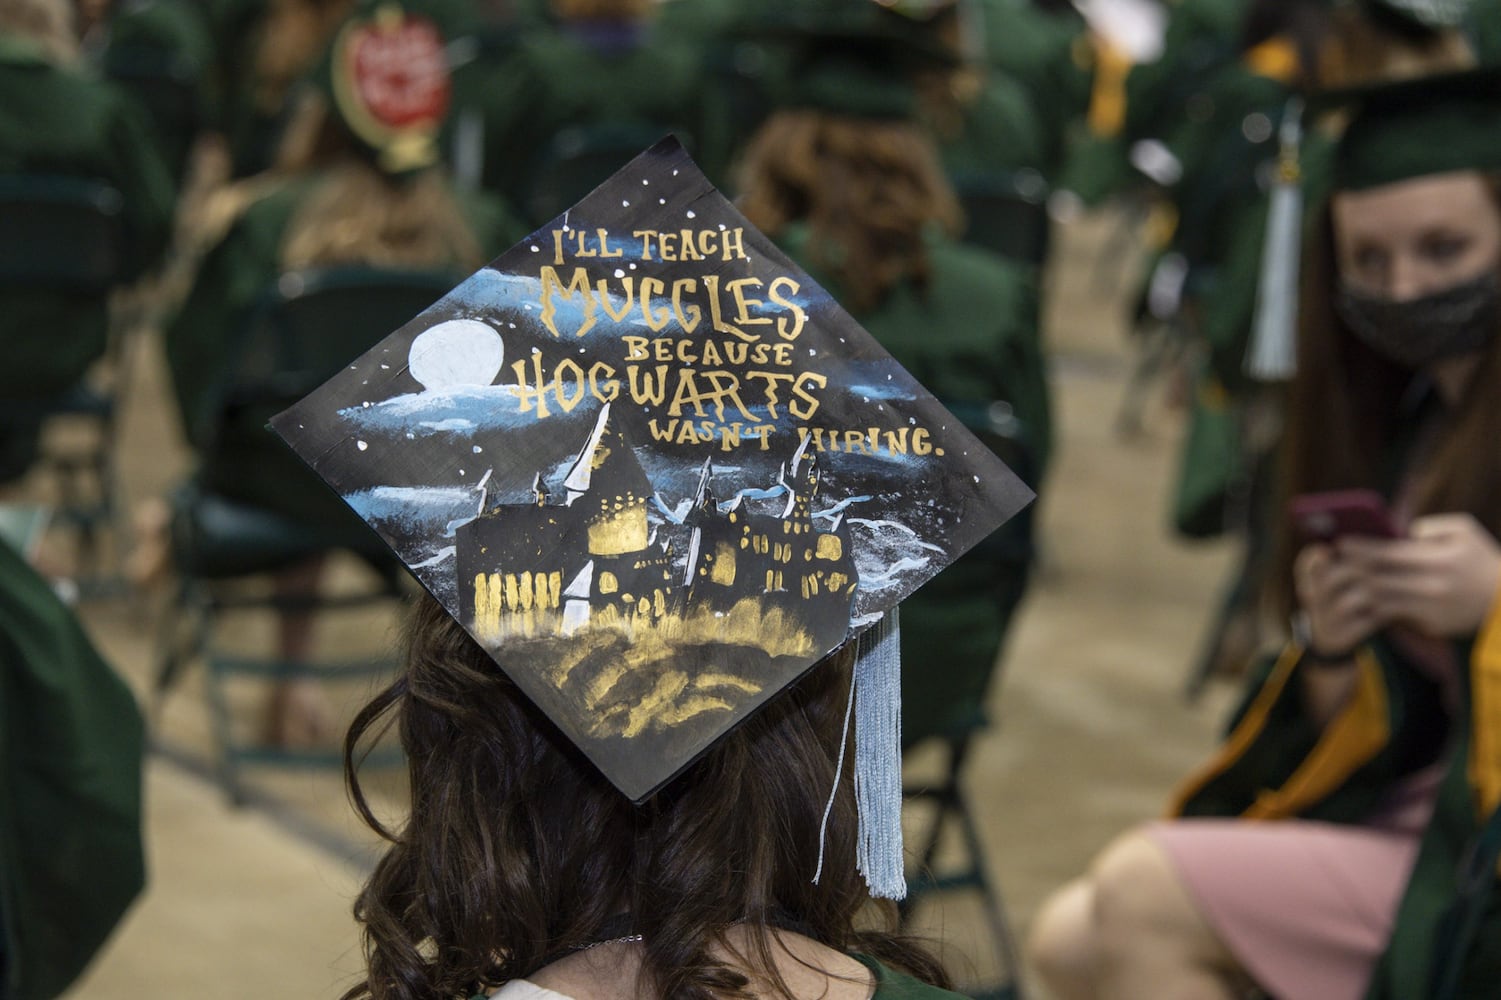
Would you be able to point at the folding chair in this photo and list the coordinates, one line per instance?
(304, 329)
(1006, 212)
(949, 709)
(166, 85)
(61, 247)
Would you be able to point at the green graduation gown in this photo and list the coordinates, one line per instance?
(71, 745)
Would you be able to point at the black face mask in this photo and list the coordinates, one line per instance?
(1417, 332)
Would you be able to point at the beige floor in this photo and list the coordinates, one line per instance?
(1091, 728)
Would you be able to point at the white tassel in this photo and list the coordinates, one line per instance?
(1272, 356)
(876, 702)
(878, 759)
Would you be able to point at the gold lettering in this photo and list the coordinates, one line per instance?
(576, 376)
(645, 236)
(688, 316)
(649, 391)
(811, 402)
(650, 287)
(733, 244)
(602, 383)
(716, 317)
(577, 285)
(785, 330)
(743, 304)
(630, 298)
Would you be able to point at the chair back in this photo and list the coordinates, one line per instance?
(164, 84)
(963, 614)
(305, 327)
(1006, 213)
(309, 324)
(578, 159)
(59, 232)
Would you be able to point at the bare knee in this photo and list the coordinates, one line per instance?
(1061, 945)
(1140, 897)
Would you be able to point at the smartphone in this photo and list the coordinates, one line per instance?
(1323, 517)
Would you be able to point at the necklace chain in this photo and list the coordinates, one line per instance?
(629, 938)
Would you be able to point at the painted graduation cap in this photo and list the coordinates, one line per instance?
(653, 468)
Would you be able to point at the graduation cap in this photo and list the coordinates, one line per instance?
(388, 79)
(853, 57)
(656, 472)
(1416, 128)
(1393, 131)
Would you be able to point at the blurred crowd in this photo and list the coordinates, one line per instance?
(184, 170)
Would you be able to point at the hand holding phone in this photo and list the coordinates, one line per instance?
(1323, 517)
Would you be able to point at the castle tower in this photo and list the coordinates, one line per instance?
(609, 488)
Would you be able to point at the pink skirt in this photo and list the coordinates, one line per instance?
(1307, 908)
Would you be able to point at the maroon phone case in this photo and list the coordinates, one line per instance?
(1325, 516)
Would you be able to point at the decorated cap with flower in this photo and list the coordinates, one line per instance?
(387, 76)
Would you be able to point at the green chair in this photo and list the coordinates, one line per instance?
(61, 257)
(166, 86)
(949, 709)
(1007, 213)
(303, 330)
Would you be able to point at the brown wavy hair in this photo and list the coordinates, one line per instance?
(868, 189)
(517, 851)
(1344, 423)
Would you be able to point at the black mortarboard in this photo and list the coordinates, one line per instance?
(1415, 128)
(853, 57)
(653, 468)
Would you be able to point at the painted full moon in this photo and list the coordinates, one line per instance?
(454, 353)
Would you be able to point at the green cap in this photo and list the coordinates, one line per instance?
(1415, 128)
(854, 57)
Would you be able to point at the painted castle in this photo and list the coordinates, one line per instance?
(587, 557)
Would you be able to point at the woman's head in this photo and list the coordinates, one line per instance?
(1414, 228)
(1417, 271)
(1416, 237)
(517, 850)
(1402, 290)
